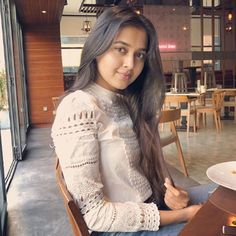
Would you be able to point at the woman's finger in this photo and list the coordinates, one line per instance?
(172, 189)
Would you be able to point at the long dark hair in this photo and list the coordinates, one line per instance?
(144, 97)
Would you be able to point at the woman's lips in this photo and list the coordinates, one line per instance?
(125, 76)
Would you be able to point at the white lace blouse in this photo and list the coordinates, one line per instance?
(99, 154)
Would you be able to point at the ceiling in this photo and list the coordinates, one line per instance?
(87, 7)
(30, 11)
(96, 7)
(72, 7)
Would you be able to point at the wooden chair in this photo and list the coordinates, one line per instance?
(55, 101)
(176, 101)
(76, 219)
(214, 108)
(171, 116)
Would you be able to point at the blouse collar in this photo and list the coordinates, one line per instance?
(103, 93)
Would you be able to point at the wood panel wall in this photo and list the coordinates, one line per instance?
(44, 73)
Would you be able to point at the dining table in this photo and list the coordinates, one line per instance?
(218, 211)
(187, 94)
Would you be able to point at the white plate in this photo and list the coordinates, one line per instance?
(223, 174)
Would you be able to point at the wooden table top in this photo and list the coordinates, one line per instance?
(219, 210)
(188, 94)
(228, 91)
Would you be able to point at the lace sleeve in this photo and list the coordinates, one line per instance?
(74, 134)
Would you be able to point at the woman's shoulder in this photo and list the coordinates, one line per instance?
(77, 100)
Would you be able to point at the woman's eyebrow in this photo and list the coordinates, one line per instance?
(128, 45)
(121, 42)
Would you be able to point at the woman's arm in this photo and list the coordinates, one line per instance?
(175, 216)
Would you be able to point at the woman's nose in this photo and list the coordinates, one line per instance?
(129, 62)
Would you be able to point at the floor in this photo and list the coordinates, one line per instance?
(204, 149)
(35, 206)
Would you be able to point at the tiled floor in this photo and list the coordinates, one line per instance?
(204, 149)
(35, 206)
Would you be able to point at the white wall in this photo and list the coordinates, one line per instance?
(71, 26)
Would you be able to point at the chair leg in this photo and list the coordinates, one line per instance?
(194, 122)
(199, 120)
(219, 121)
(205, 119)
(216, 121)
(202, 119)
(188, 123)
(181, 157)
(162, 127)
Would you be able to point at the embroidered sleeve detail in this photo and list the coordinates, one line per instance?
(151, 216)
(74, 123)
(75, 117)
(123, 217)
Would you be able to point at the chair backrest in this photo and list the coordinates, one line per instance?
(218, 99)
(176, 98)
(170, 115)
(55, 101)
(76, 219)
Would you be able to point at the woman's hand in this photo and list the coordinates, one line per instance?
(175, 197)
(192, 210)
(177, 216)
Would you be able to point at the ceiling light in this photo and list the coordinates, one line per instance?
(86, 26)
(228, 27)
(230, 16)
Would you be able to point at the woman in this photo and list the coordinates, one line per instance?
(106, 133)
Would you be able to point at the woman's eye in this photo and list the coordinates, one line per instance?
(121, 50)
(141, 55)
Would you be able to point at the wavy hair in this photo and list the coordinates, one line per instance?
(144, 97)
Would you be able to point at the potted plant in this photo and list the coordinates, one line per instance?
(4, 113)
(3, 90)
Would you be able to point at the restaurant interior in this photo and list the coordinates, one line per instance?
(40, 47)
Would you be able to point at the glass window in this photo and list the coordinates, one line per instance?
(22, 109)
(207, 33)
(71, 58)
(208, 3)
(217, 32)
(72, 41)
(5, 125)
(195, 32)
(5, 134)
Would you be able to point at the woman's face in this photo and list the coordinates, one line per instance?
(122, 63)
